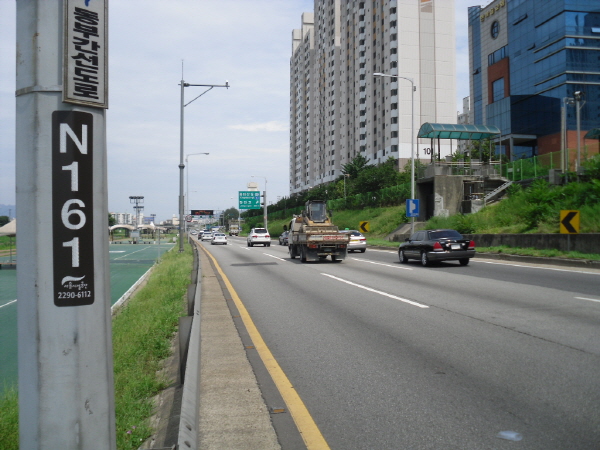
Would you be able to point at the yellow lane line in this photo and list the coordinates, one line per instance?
(307, 427)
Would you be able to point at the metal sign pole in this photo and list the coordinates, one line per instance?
(66, 393)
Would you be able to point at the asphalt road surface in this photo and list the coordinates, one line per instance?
(399, 356)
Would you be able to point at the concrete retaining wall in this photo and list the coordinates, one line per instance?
(584, 243)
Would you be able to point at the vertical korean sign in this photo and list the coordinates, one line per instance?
(72, 207)
(85, 70)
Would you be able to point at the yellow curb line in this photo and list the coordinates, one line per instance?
(307, 427)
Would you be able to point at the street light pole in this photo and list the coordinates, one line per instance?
(412, 140)
(578, 105)
(265, 200)
(181, 163)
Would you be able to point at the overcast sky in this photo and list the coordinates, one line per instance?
(244, 128)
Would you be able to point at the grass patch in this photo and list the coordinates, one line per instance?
(142, 334)
(551, 253)
(9, 419)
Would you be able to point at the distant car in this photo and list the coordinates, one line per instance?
(283, 238)
(358, 242)
(258, 236)
(207, 236)
(193, 232)
(437, 245)
(218, 238)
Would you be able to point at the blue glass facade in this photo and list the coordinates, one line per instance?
(553, 51)
(477, 93)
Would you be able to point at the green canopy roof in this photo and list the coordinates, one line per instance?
(594, 133)
(454, 131)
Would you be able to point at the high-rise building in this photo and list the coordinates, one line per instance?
(339, 109)
(530, 61)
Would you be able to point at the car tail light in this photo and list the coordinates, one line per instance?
(472, 245)
(437, 247)
(267, 236)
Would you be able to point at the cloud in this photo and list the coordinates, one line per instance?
(272, 126)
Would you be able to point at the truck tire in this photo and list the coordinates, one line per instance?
(302, 254)
(292, 251)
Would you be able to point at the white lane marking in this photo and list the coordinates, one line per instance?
(140, 250)
(9, 303)
(116, 251)
(376, 291)
(588, 299)
(535, 267)
(381, 264)
(276, 257)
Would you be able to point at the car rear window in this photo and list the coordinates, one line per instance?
(452, 234)
(260, 230)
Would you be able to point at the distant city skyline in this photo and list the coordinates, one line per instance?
(245, 128)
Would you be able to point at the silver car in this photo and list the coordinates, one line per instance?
(358, 242)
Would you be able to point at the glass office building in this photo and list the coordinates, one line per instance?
(530, 60)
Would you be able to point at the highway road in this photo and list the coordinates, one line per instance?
(399, 356)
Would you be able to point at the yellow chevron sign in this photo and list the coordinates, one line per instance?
(569, 222)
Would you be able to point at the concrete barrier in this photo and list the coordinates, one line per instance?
(584, 243)
(189, 338)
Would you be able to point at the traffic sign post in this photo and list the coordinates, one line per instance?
(66, 386)
(249, 200)
(569, 224)
(412, 207)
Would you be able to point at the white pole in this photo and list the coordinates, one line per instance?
(66, 393)
(181, 167)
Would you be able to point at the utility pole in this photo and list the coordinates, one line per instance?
(66, 385)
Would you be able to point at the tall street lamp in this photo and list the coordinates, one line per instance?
(265, 200)
(181, 163)
(578, 105)
(412, 140)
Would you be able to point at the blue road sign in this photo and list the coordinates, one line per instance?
(412, 207)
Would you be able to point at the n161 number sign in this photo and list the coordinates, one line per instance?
(72, 208)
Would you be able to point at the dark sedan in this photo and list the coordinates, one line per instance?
(437, 245)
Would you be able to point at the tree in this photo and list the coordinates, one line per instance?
(111, 220)
(354, 167)
(231, 213)
(482, 150)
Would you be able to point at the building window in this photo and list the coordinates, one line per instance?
(495, 30)
(499, 54)
(498, 89)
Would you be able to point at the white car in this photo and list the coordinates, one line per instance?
(259, 236)
(218, 238)
(207, 236)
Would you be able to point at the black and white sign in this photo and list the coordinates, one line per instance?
(72, 207)
(85, 66)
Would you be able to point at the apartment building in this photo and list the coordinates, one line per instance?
(339, 109)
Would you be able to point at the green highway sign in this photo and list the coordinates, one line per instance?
(249, 200)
